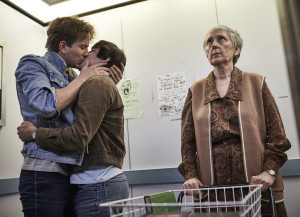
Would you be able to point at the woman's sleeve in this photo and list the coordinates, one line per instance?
(188, 167)
(277, 143)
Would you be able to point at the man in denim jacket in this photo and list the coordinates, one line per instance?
(45, 91)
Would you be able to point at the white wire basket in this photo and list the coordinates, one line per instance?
(216, 201)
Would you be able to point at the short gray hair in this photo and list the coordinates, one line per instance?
(235, 38)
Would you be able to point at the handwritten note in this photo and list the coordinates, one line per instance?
(171, 90)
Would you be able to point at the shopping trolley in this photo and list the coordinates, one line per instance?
(215, 201)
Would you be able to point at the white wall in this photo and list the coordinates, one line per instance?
(22, 36)
(158, 37)
(162, 37)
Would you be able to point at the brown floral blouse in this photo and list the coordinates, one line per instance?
(227, 150)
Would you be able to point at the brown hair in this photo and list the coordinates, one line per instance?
(68, 29)
(109, 49)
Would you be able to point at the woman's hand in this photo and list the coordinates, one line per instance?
(265, 179)
(25, 131)
(193, 183)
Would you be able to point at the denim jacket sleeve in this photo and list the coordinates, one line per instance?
(94, 99)
(33, 80)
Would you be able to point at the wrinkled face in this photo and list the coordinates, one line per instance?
(76, 54)
(92, 58)
(219, 48)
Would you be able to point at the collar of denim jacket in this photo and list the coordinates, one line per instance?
(56, 61)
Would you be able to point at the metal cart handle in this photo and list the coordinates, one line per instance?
(272, 204)
(271, 196)
(180, 197)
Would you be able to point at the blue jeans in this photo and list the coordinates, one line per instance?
(46, 194)
(89, 196)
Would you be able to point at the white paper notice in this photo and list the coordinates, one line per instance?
(130, 91)
(171, 90)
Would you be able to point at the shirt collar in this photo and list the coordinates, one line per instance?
(234, 91)
(56, 61)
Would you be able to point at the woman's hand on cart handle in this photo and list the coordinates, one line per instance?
(193, 183)
(265, 179)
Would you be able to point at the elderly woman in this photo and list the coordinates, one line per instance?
(232, 131)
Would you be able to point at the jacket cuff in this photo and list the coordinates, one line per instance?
(41, 135)
(187, 174)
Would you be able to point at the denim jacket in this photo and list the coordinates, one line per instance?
(36, 80)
